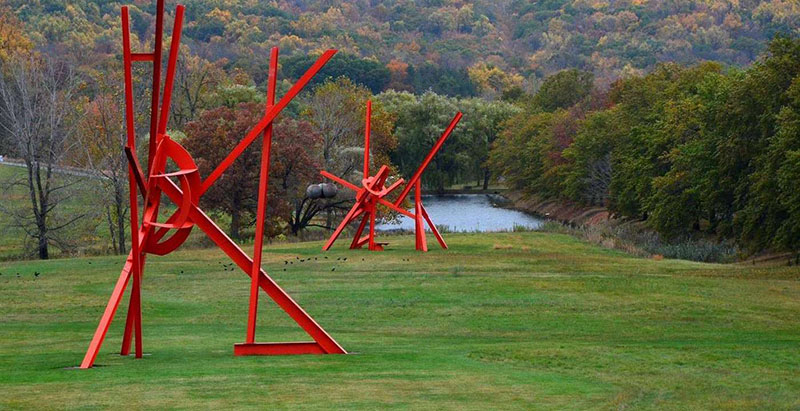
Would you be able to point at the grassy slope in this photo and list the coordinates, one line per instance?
(551, 323)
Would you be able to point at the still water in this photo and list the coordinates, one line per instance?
(468, 212)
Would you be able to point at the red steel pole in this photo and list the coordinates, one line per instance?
(156, 89)
(263, 186)
(419, 224)
(174, 48)
(229, 247)
(136, 258)
(366, 138)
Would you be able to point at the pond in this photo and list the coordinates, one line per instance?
(468, 212)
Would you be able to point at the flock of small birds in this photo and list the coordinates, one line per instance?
(232, 266)
(309, 259)
(226, 267)
(36, 274)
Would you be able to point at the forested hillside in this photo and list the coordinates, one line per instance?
(417, 45)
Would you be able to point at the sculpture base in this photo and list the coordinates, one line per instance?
(288, 348)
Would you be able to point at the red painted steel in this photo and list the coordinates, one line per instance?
(148, 236)
(289, 348)
(372, 192)
(263, 186)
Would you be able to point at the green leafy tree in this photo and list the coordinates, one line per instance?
(481, 124)
(564, 89)
(420, 122)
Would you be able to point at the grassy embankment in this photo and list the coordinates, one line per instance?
(550, 323)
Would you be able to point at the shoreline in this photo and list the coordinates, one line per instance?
(565, 212)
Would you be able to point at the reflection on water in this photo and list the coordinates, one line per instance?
(467, 212)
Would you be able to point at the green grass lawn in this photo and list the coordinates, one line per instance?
(550, 323)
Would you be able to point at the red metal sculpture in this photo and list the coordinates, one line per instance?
(148, 237)
(373, 192)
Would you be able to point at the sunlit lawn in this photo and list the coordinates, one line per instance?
(549, 323)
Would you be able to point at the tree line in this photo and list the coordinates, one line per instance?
(702, 150)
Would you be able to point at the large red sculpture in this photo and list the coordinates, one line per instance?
(373, 192)
(185, 187)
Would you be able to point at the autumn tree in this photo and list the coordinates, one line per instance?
(13, 41)
(101, 137)
(13, 38)
(195, 80)
(210, 139)
(492, 81)
(337, 111)
(295, 165)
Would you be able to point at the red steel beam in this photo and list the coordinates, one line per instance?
(108, 315)
(156, 88)
(288, 348)
(263, 186)
(135, 308)
(142, 56)
(174, 48)
(366, 138)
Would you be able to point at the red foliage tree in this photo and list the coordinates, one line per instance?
(293, 166)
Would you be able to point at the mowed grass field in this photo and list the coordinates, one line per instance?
(549, 323)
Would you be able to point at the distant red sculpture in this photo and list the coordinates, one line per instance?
(373, 192)
(148, 237)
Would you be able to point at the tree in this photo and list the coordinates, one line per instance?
(492, 81)
(295, 165)
(564, 89)
(769, 216)
(753, 152)
(337, 111)
(420, 122)
(38, 93)
(519, 154)
(440, 80)
(13, 39)
(195, 80)
(210, 139)
(368, 72)
(482, 123)
(588, 176)
(102, 138)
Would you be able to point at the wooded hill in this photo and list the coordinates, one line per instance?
(417, 45)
